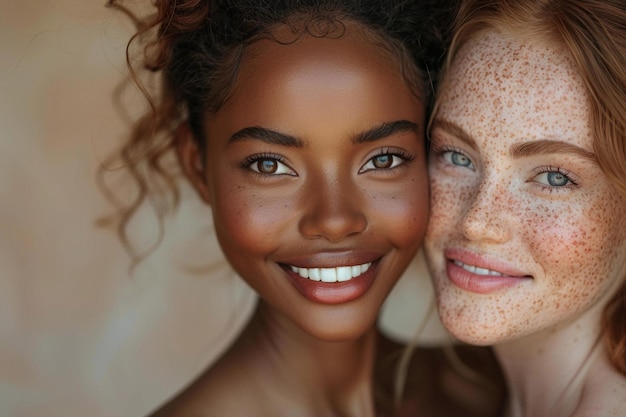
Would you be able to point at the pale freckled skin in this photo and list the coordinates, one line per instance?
(572, 241)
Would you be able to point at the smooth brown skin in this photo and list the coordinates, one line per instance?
(328, 203)
(566, 231)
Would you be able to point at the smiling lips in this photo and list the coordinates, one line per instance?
(338, 274)
(480, 279)
(335, 285)
(479, 271)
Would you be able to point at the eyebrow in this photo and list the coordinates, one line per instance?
(277, 138)
(547, 146)
(266, 135)
(455, 130)
(385, 130)
(520, 150)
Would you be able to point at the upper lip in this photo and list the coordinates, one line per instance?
(332, 259)
(484, 261)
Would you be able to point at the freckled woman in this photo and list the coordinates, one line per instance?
(527, 239)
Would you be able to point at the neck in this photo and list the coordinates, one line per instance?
(326, 378)
(546, 371)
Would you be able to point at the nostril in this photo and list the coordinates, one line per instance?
(332, 209)
(333, 226)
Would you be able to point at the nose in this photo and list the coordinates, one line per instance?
(333, 211)
(486, 216)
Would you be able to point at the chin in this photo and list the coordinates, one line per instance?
(340, 330)
(471, 338)
(477, 333)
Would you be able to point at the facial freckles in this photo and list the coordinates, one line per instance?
(570, 239)
(327, 204)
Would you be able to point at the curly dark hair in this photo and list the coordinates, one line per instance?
(196, 47)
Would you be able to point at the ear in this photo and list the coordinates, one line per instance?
(190, 159)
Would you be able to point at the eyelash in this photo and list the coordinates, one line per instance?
(249, 160)
(439, 151)
(570, 177)
(402, 154)
(252, 159)
(395, 152)
(573, 183)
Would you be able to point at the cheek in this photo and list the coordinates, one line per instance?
(402, 210)
(447, 199)
(249, 219)
(577, 245)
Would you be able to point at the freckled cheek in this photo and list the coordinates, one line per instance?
(572, 250)
(448, 201)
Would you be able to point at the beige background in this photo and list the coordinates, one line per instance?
(79, 334)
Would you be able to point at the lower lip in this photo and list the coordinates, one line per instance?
(334, 292)
(481, 284)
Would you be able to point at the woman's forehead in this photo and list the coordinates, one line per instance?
(506, 87)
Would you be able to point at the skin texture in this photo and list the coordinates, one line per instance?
(325, 201)
(331, 207)
(544, 213)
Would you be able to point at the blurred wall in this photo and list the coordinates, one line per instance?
(79, 334)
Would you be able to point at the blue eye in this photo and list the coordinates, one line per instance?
(554, 178)
(458, 159)
(557, 179)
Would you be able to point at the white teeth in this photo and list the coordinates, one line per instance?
(329, 274)
(478, 271)
(344, 273)
(314, 274)
(338, 274)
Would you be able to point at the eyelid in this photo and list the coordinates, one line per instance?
(394, 152)
(441, 150)
(252, 159)
(571, 177)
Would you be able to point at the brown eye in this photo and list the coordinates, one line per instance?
(385, 161)
(267, 166)
(382, 161)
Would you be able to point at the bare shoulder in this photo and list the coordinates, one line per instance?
(604, 395)
(221, 391)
